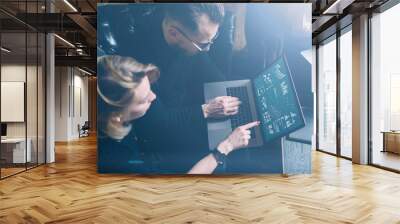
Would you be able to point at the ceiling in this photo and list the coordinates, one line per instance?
(75, 22)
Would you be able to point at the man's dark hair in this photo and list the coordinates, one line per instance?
(188, 13)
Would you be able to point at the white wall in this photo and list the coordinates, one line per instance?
(16, 73)
(12, 73)
(61, 103)
(81, 89)
(71, 94)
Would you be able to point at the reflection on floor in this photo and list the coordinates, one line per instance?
(346, 152)
(8, 170)
(387, 159)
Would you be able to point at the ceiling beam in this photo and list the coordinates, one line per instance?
(82, 61)
(337, 6)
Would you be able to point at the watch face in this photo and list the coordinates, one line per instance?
(219, 157)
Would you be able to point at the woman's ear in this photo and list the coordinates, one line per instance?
(173, 34)
(153, 74)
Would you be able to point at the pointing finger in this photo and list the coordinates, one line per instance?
(250, 125)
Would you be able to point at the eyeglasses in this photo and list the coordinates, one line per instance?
(199, 46)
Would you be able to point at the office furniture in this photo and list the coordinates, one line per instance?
(296, 156)
(13, 150)
(84, 129)
(391, 141)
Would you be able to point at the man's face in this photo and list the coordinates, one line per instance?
(195, 42)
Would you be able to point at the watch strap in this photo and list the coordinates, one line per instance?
(219, 157)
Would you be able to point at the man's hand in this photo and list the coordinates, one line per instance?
(221, 106)
(239, 138)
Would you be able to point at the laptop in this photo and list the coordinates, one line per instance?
(270, 98)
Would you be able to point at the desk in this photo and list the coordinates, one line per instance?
(13, 150)
(391, 141)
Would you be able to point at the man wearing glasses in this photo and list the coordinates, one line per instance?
(176, 38)
(170, 26)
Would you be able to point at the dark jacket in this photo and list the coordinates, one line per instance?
(174, 127)
(125, 156)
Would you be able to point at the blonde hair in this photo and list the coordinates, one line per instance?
(118, 78)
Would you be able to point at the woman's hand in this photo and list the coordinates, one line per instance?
(239, 138)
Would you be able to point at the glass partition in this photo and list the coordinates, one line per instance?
(32, 96)
(14, 145)
(22, 88)
(41, 96)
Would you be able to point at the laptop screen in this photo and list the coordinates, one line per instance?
(277, 102)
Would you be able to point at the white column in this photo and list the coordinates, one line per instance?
(50, 93)
(50, 109)
(360, 90)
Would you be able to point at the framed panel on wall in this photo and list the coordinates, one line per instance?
(13, 101)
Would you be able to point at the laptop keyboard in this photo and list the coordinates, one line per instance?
(244, 115)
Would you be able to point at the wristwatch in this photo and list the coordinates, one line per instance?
(219, 157)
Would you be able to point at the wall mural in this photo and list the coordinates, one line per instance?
(204, 88)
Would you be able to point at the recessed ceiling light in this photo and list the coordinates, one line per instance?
(70, 5)
(337, 7)
(5, 50)
(84, 71)
(64, 40)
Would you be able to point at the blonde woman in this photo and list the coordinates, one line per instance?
(124, 94)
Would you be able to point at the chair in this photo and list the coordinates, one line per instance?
(84, 130)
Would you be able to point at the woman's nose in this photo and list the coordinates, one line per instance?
(153, 96)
